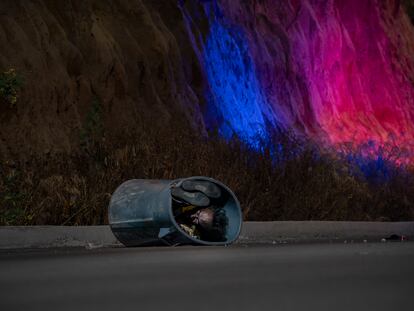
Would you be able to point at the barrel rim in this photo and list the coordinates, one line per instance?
(180, 180)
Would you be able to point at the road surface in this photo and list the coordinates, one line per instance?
(368, 276)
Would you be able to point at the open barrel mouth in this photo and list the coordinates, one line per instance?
(196, 210)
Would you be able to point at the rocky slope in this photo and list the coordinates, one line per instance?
(132, 57)
(337, 71)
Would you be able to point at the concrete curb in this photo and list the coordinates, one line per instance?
(56, 236)
(253, 232)
(323, 231)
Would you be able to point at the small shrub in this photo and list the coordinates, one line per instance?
(10, 84)
(11, 200)
(92, 132)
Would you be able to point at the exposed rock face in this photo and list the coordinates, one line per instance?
(133, 56)
(338, 71)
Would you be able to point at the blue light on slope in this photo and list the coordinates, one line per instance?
(236, 94)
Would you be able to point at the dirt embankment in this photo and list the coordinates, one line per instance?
(114, 62)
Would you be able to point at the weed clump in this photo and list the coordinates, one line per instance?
(10, 84)
(92, 131)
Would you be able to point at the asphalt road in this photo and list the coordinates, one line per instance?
(272, 277)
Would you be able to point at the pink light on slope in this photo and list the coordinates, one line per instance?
(341, 71)
(359, 88)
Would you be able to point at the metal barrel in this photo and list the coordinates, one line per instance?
(140, 213)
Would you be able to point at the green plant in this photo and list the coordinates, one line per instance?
(11, 200)
(92, 132)
(10, 85)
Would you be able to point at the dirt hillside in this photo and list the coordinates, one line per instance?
(120, 62)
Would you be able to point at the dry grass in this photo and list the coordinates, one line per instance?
(299, 182)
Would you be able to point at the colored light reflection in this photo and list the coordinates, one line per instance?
(236, 94)
(345, 84)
